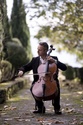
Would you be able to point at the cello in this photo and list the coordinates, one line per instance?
(46, 88)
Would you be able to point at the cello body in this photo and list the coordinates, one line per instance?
(45, 88)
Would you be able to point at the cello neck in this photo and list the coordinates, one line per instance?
(47, 64)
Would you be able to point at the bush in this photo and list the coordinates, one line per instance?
(81, 75)
(74, 73)
(16, 54)
(69, 73)
(6, 71)
(16, 41)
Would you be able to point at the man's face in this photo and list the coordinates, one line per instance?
(41, 50)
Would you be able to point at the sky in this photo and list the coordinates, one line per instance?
(62, 56)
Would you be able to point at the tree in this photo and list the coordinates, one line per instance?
(1, 31)
(19, 26)
(5, 67)
(5, 27)
(70, 28)
(10, 60)
(5, 22)
(66, 26)
(16, 54)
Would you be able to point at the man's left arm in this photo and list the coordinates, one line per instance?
(60, 65)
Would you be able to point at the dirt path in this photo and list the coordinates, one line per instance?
(18, 110)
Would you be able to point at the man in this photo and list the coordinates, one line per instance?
(33, 65)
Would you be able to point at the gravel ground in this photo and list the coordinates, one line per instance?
(18, 110)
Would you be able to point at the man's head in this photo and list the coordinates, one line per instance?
(45, 45)
(42, 48)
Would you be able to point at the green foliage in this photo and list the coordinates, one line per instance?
(5, 34)
(6, 71)
(45, 32)
(5, 66)
(74, 73)
(81, 75)
(16, 55)
(19, 26)
(12, 49)
(69, 73)
(1, 36)
(16, 41)
(66, 25)
(5, 21)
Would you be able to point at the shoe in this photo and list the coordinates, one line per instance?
(58, 112)
(40, 111)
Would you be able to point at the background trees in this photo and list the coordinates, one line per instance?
(19, 26)
(14, 52)
(64, 26)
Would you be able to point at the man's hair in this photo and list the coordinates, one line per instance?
(44, 44)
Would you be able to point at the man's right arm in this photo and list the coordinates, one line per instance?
(20, 73)
(25, 68)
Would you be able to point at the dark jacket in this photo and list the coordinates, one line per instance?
(33, 65)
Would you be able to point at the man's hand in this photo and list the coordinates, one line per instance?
(52, 60)
(20, 73)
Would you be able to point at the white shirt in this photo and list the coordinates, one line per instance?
(43, 61)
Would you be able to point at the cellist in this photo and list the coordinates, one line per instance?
(33, 65)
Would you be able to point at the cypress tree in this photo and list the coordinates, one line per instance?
(6, 25)
(1, 31)
(4, 35)
(19, 26)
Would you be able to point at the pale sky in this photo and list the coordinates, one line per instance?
(63, 56)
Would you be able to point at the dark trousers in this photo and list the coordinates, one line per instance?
(55, 102)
